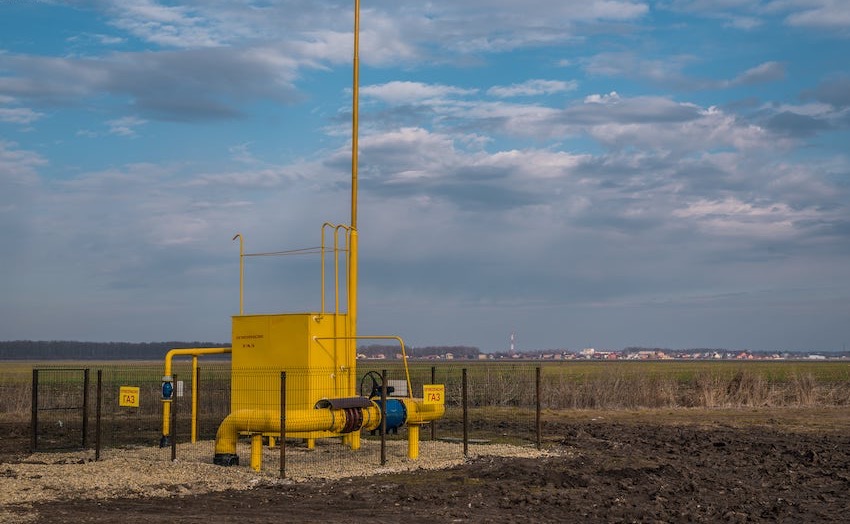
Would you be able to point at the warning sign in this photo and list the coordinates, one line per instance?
(433, 394)
(128, 396)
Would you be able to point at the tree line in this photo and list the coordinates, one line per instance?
(73, 350)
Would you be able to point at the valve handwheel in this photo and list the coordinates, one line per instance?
(377, 382)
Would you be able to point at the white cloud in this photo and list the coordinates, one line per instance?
(399, 92)
(610, 98)
(734, 217)
(169, 85)
(823, 14)
(125, 126)
(171, 26)
(533, 88)
(766, 72)
(19, 165)
(19, 115)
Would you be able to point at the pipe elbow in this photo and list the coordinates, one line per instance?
(227, 435)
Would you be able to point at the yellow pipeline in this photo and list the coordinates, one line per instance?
(419, 413)
(302, 420)
(257, 451)
(241, 271)
(375, 337)
(336, 250)
(258, 421)
(166, 405)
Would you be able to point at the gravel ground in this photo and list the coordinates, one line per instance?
(143, 473)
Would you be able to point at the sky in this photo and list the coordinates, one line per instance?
(594, 173)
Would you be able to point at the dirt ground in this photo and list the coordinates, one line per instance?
(684, 466)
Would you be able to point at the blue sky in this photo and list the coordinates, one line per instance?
(602, 173)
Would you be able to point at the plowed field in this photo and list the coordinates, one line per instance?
(685, 467)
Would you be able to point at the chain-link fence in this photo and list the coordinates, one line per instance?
(485, 402)
(88, 405)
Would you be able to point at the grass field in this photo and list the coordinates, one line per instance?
(564, 385)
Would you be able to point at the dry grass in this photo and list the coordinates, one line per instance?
(606, 385)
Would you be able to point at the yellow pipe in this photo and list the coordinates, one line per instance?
(336, 250)
(301, 420)
(257, 422)
(257, 451)
(351, 346)
(322, 256)
(413, 441)
(166, 405)
(241, 271)
(420, 413)
(355, 113)
(194, 434)
(377, 337)
(336, 263)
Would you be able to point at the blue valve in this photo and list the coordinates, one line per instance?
(167, 390)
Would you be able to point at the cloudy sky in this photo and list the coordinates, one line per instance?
(594, 173)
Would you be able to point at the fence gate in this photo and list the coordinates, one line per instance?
(60, 402)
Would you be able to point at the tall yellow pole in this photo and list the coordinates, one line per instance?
(355, 110)
(352, 245)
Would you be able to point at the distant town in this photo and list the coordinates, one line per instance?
(378, 352)
(74, 350)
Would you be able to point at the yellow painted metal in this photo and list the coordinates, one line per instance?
(241, 272)
(398, 339)
(355, 114)
(128, 396)
(351, 344)
(298, 421)
(166, 405)
(354, 440)
(257, 451)
(336, 251)
(263, 345)
(194, 433)
(433, 394)
(413, 441)
(420, 413)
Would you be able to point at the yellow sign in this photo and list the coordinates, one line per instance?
(433, 394)
(128, 396)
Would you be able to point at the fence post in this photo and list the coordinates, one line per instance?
(537, 395)
(174, 425)
(282, 443)
(85, 407)
(34, 416)
(383, 417)
(433, 422)
(97, 415)
(465, 400)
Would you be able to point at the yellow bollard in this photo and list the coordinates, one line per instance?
(257, 451)
(311, 443)
(413, 441)
(271, 441)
